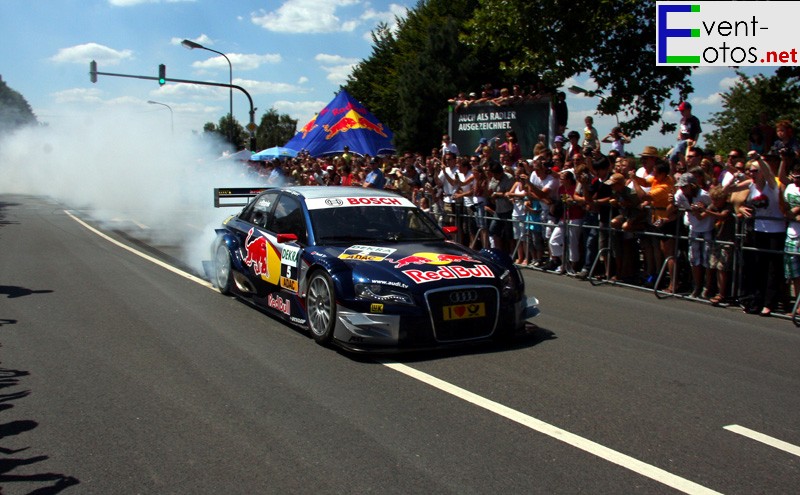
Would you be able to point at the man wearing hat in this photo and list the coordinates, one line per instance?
(648, 158)
(375, 178)
(692, 199)
(688, 133)
(651, 249)
(558, 144)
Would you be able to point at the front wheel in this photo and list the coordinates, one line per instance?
(321, 307)
(223, 278)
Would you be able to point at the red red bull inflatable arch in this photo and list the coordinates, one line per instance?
(344, 122)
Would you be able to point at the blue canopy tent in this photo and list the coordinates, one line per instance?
(344, 122)
(242, 156)
(273, 153)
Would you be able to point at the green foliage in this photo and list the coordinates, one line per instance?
(410, 75)
(230, 131)
(372, 81)
(446, 46)
(611, 40)
(778, 96)
(274, 130)
(15, 111)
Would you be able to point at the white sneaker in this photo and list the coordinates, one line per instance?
(559, 270)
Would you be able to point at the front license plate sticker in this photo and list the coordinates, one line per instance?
(463, 311)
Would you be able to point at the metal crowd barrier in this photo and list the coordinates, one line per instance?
(605, 255)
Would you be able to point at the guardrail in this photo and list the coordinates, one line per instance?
(603, 264)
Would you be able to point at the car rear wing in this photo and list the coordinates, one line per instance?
(230, 196)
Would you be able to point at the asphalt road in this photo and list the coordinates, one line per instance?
(120, 376)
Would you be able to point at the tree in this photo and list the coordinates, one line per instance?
(613, 41)
(229, 130)
(14, 109)
(410, 75)
(372, 81)
(442, 66)
(777, 95)
(274, 130)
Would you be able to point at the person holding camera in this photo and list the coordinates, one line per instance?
(618, 140)
(786, 144)
(692, 199)
(734, 168)
(501, 207)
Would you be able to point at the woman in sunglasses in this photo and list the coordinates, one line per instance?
(763, 205)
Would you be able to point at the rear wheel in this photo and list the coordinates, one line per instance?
(321, 307)
(223, 278)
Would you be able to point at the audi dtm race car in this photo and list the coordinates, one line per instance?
(364, 269)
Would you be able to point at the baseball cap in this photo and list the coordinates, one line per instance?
(686, 180)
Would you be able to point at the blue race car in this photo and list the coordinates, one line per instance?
(364, 269)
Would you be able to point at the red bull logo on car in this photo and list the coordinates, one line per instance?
(433, 259)
(352, 120)
(279, 303)
(449, 273)
(444, 272)
(256, 253)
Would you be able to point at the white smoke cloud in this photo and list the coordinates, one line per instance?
(127, 171)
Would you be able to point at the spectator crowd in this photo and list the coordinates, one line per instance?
(725, 229)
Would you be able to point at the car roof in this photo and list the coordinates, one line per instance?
(316, 192)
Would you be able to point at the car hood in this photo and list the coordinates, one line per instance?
(416, 263)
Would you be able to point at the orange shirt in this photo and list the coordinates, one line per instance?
(659, 195)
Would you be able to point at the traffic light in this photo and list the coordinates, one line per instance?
(162, 74)
(93, 71)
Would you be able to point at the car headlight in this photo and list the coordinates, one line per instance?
(383, 293)
(508, 287)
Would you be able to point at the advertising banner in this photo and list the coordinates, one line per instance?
(528, 119)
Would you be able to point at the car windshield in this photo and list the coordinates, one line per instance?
(373, 223)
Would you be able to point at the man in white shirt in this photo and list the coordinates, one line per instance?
(692, 199)
(448, 146)
(449, 181)
(732, 165)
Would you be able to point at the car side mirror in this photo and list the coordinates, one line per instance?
(450, 230)
(284, 238)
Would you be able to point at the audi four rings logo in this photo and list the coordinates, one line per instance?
(463, 296)
(334, 202)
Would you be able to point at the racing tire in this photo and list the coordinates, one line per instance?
(321, 307)
(223, 277)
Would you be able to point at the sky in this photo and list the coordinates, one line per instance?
(291, 55)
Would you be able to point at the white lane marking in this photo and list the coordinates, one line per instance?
(141, 254)
(766, 439)
(625, 461)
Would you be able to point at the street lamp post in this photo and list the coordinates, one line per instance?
(171, 115)
(192, 45)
